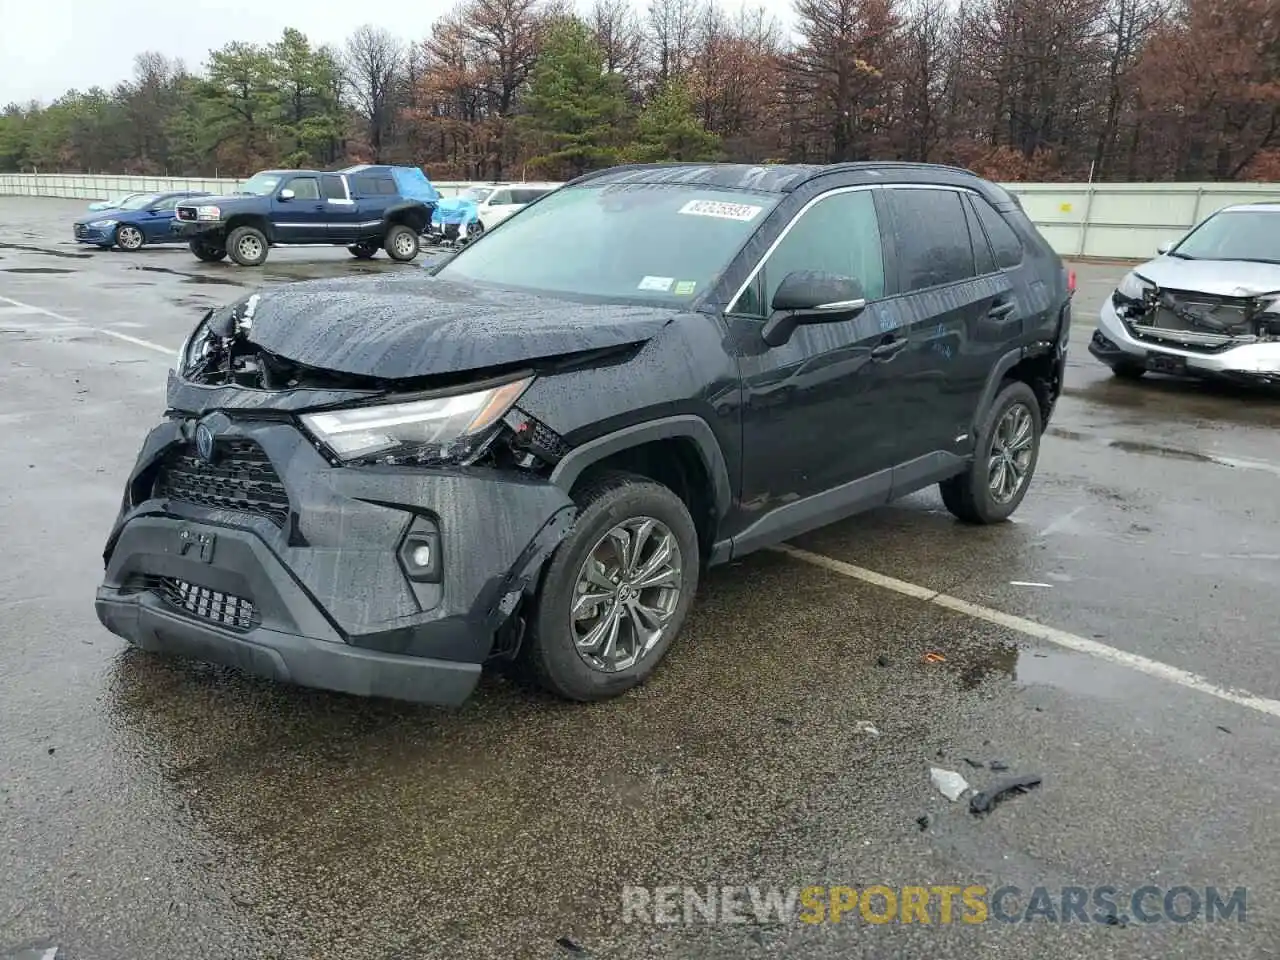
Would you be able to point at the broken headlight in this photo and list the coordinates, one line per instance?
(456, 427)
(1134, 287)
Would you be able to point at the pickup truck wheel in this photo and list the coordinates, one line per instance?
(616, 591)
(247, 246)
(129, 238)
(207, 252)
(1004, 461)
(401, 243)
(363, 251)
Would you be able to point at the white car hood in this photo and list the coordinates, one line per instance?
(1222, 278)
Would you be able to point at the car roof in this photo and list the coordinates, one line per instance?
(1258, 206)
(787, 177)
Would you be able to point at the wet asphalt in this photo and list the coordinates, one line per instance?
(151, 807)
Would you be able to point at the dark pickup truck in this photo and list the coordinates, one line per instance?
(364, 208)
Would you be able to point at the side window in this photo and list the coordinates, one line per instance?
(331, 186)
(839, 234)
(931, 237)
(167, 204)
(500, 198)
(365, 186)
(305, 188)
(387, 187)
(983, 260)
(1005, 243)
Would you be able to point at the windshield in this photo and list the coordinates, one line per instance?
(137, 201)
(643, 242)
(260, 184)
(478, 194)
(1234, 235)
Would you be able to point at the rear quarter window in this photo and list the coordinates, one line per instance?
(1004, 241)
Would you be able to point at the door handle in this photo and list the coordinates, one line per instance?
(319, 206)
(1001, 310)
(888, 349)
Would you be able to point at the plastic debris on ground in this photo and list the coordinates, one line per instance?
(867, 727)
(934, 658)
(949, 783)
(1002, 790)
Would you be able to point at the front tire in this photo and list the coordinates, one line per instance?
(247, 246)
(402, 243)
(617, 590)
(129, 238)
(1004, 461)
(207, 252)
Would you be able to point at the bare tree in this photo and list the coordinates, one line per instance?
(373, 59)
(618, 31)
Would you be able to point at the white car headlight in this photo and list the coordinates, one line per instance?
(1134, 286)
(444, 428)
(208, 213)
(103, 224)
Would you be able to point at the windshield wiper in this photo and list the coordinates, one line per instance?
(1181, 256)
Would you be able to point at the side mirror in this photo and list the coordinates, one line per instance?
(287, 194)
(1164, 247)
(810, 296)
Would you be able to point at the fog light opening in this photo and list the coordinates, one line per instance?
(420, 556)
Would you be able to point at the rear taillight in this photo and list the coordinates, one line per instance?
(1071, 283)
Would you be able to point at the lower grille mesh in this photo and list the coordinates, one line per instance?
(223, 609)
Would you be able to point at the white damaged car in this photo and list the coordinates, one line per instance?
(1207, 306)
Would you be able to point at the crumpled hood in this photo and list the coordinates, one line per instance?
(409, 325)
(1222, 278)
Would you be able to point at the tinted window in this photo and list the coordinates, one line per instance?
(527, 195)
(500, 198)
(1005, 243)
(365, 186)
(839, 234)
(332, 187)
(385, 186)
(305, 188)
(168, 204)
(932, 238)
(983, 261)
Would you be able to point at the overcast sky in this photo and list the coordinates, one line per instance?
(50, 46)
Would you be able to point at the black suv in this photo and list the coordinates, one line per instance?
(530, 452)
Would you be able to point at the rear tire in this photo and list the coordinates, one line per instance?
(247, 246)
(207, 252)
(401, 243)
(1128, 371)
(585, 565)
(363, 251)
(1008, 446)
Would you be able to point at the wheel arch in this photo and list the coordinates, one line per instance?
(412, 213)
(1038, 366)
(258, 220)
(680, 451)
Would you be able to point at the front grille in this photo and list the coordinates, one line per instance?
(186, 213)
(80, 230)
(240, 479)
(1196, 321)
(223, 609)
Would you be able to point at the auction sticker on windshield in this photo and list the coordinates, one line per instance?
(721, 209)
(662, 284)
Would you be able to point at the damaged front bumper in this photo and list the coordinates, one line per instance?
(381, 580)
(1119, 342)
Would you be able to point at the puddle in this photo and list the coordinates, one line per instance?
(1074, 673)
(188, 277)
(37, 270)
(46, 251)
(1156, 450)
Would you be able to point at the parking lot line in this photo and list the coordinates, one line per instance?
(136, 341)
(1039, 631)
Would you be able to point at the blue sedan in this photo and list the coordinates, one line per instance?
(139, 220)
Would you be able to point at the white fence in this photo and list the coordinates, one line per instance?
(1107, 220)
